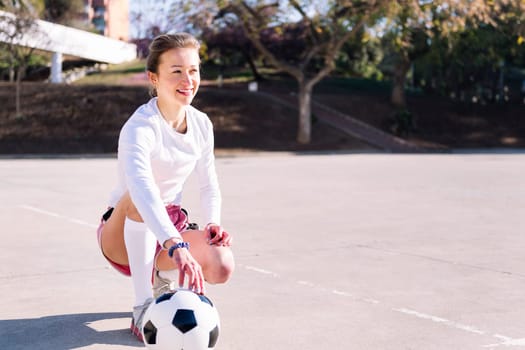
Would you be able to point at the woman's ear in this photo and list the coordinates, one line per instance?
(152, 77)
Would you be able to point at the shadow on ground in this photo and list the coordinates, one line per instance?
(63, 332)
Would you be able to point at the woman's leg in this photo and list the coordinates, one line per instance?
(126, 240)
(217, 262)
(112, 236)
(141, 246)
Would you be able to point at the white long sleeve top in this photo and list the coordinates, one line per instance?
(154, 162)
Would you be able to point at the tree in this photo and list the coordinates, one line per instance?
(229, 46)
(413, 25)
(325, 28)
(15, 26)
(361, 56)
(66, 12)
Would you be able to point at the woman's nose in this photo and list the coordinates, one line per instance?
(186, 77)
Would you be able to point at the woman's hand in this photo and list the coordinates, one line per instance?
(215, 235)
(188, 266)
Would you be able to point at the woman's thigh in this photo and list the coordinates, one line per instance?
(112, 235)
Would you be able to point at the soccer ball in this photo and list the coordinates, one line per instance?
(181, 320)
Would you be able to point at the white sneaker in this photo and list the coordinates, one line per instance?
(137, 318)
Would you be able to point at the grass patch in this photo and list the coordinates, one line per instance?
(114, 74)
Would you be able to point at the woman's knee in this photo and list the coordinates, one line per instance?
(221, 270)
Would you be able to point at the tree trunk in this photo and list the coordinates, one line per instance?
(253, 66)
(398, 97)
(18, 83)
(304, 132)
(17, 97)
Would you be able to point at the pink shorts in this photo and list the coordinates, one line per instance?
(177, 216)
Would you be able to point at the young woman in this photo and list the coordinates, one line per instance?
(145, 231)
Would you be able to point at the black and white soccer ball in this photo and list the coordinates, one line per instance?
(181, 320)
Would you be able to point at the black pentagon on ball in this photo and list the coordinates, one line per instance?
(214, 335)
(163, 297)
(205, 300)
(184, 320)
(150, 333)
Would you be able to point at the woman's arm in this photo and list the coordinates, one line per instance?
(136, 144)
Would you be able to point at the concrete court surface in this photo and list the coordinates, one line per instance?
(347, 251)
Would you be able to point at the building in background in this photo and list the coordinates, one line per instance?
(109, 17)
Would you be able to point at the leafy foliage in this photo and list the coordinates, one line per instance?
(63, 11)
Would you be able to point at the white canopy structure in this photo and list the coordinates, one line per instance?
(61, 40)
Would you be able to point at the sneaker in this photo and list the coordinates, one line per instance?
(162, 285)
(136, 319)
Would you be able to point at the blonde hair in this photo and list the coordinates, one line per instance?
(163, 43)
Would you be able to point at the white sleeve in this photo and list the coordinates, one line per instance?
(210, 194)
(136, 143)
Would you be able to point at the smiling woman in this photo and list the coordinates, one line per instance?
(175, 77)
(162, 143)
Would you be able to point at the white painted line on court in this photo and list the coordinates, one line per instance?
(264, 272)
(306, 283)
(48, 213)
(437, 319)
(506, 341)
(355, 297)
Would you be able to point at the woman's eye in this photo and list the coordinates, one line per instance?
(191, 71)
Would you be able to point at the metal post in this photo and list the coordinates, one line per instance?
(56, 68)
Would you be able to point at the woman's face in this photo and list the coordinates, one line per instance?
(178, 77)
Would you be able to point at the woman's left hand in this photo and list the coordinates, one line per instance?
(215, 235)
